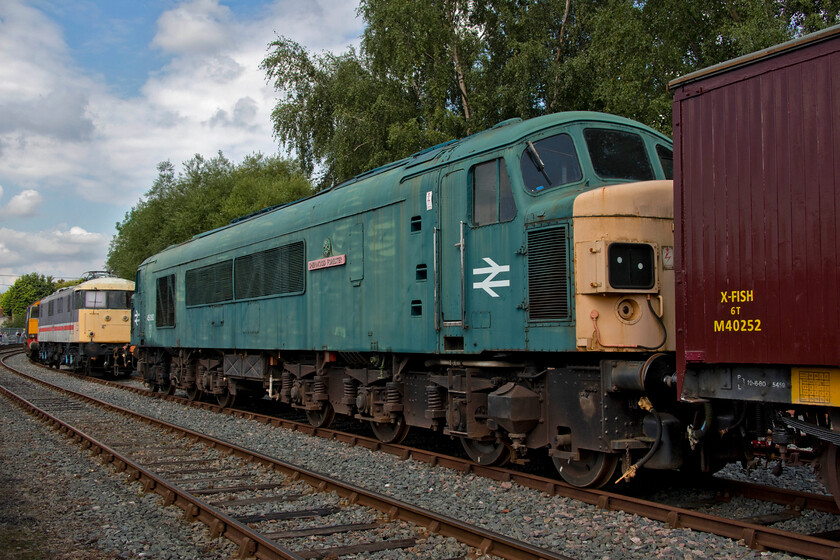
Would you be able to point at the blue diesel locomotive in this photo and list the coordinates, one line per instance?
(513, 289)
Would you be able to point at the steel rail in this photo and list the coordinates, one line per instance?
(250, 542)
(488, 542)
(754, 536)
(782, 496)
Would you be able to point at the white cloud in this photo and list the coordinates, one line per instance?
(59, 114)
(198, 26)
(69, 137)
(61, 251)
(26, 33)
(63, 130)
(24, 204)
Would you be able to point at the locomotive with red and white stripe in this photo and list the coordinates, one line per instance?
(87, 327)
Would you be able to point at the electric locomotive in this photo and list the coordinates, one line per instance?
(31, 344)
(86, 327)
(513, 289)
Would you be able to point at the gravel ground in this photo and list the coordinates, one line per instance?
(800, 478)
(566, 526)
(93, 513)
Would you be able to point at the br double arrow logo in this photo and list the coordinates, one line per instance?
(491, 271)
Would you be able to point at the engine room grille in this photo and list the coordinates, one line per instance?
(278, 271)
(210, 284)
(548, 275)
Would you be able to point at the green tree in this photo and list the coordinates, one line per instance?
(26, 290)
(442, 69)
(338, 116)
(255, 185)
(206, 194)
(431, 49)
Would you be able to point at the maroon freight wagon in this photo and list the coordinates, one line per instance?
(757, 197)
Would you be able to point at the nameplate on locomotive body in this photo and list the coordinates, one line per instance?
(327, 262)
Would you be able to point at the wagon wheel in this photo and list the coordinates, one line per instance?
(322, 417)
(194, 393)
(225, 399)
(486, 453)
(390, 432)
(594, 469)
(830, 471)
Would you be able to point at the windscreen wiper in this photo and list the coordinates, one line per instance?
(535, 157)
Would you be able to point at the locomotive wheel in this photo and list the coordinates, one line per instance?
(830, 471)
(321, 418)
(194, 393)
(390, 432)
(487, 453)
(225, 399)
(593, 470)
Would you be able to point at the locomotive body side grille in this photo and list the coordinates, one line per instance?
(209, 284)
(278, 271)
(548, 275)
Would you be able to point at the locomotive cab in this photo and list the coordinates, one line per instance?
(577, 252)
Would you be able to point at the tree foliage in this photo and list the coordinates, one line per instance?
(333, 110)
(442, 69)
(206, 194)
(26, 290)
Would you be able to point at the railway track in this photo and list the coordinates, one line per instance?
(754, 531)
(250, 498)
(722, 489)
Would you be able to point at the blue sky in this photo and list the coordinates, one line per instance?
(95, 93)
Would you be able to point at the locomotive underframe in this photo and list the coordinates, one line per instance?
(89, 357)
(497, 407)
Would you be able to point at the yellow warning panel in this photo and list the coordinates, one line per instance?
(815, 386)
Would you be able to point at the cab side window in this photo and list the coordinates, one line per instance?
(165, 307)
(666, 160)
(492, 197)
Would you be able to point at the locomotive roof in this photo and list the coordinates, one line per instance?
(96, 284)
(106, 284)
(316, 208)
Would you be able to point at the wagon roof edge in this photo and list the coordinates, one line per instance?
(754, 57)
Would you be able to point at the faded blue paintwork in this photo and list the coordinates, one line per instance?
(378, 300)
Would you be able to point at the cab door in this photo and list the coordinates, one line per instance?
(453, 228)
(478, 246)
(138, 323)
